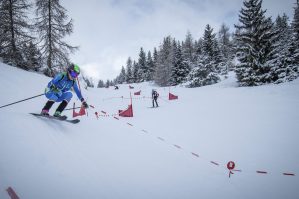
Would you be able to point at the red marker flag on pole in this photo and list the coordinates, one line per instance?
(172, 96)
(137, 93)
(81, 112)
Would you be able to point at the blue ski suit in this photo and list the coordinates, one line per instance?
(59, 87)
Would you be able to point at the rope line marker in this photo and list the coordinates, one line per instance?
(215, 163)
(12, 193)
(230, 165)
(195, 154)
(262, 172)
(289, 174)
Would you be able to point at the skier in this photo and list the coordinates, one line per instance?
(58, 90)
(155, 96)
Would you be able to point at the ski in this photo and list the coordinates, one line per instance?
(63, 118)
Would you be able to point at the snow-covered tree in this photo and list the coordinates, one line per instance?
(151, 66)
(180, 68)
(203, 73)
(108, 83)
(188, 48)
(88, 81)
(256, 37)
(32, 57)
(211, 51)
(101, 84)
(135, 70)
(143, 71)
(14, 31)
(129, 72)
(284, 68)
(208, 43)
(225, 47)
(164, 63)
(122, 76)
(295, 28)
(53, 25)
(198, 49)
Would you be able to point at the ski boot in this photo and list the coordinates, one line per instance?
(60, 108)
(58, 115)
(45, 112)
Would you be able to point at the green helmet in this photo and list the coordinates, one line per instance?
(74, 70)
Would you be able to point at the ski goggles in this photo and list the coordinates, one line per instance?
(74, 74)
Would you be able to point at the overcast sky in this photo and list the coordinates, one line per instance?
(109, 31)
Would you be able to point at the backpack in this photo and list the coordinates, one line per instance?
(155, 94)
(62, 77)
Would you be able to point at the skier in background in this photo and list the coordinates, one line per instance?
(58, 90)
(155, 96)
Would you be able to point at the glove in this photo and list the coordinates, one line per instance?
(85, 105)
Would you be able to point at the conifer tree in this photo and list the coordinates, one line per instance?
(151, 67)
(211, 48)
(206, 67)
(129, 67)
(88, 81)
(225, 47)
(135, 70)
(198, 49)
(122, 75)
(256, 37)
(143, 71)
(108, 83)
(32, 57)
(188, 48)
(155, 62)
(295, 28)
(53, 25)
(180, 68)
(203, 73)
(164, 63)
(284, 68)
(208, 42)
(14, 31)
(101, 84)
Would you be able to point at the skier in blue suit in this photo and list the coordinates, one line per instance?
(58, 90)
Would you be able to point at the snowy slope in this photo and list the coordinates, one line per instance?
(255, 127)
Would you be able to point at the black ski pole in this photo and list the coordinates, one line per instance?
(67, 109)
(21, 100)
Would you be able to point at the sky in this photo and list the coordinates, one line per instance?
(109, 31)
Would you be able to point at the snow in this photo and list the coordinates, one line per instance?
(256, 127)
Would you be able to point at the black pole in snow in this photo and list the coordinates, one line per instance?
(21, 100)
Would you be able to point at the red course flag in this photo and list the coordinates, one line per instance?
(81, 112)
(126, 113)
(172, 96)
(137, 93)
